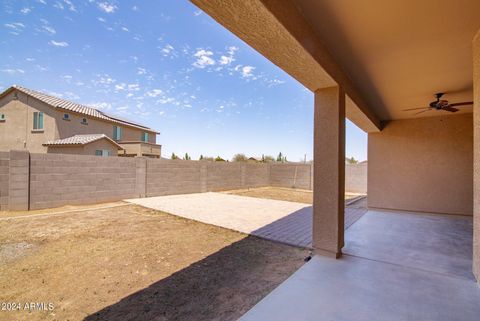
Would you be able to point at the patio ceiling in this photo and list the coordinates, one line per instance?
(388, 55)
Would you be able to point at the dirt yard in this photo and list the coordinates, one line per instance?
(128, 262)
(282, 194)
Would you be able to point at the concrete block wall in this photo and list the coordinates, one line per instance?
(57, 180)
(165, 177)
(225, 176)
(4, 179)
(18, 180)
(356, 178)
(291, 175)
(38, 181)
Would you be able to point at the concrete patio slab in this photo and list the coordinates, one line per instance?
(431, 242)
(281, 221)
(396, 266)
(364, 290)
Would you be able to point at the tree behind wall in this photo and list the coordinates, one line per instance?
(174, 156)
(239, 158)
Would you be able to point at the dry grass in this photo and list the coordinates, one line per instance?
(129, 262)
(282, 194)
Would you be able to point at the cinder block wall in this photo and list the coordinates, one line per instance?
(57, 180)
(4, 178)
(165, 177)
(38, 181)
(291, 175)
(356, 178)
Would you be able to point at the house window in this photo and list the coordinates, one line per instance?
(102, 152)
(144, 137)
(84, 121)
(38, 120)
(2, 117)
(117, 132)
(66, 117)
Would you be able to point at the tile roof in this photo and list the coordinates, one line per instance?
(74, 107)
(80, 140)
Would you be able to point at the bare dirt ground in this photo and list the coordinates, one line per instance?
(281, 194)
(132, 263)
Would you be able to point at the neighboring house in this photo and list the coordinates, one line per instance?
(42, 123)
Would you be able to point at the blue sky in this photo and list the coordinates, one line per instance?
(167, 65)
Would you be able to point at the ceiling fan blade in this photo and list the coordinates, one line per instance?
(461, 104)
(416, 108)
(450, 109)
(422, 111)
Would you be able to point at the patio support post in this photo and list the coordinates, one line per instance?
(476, 156)
(329, 172)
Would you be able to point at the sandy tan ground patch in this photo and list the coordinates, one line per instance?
(281, 194)
(130, 262)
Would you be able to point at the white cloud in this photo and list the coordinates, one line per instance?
(247, 71)
(70, 5)
(225, 60)
(125, 29)
(120, 87)
(49, 29)
(59, 5)
(13, 71)
(167, 50)
(30, 59)
(107, 7)
(17, 26)
(154, 93)
(101, 19)
(133, 87)
(71, 95)
(41, 68)
(135, 8)
(101, 105)
(42, 1)
(58, 43)
(26, 10)
(197, 13)
(203, 58)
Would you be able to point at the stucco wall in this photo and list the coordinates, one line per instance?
(476, 150)
(423, 165)
(89, 149)
(16, 131)
(4, 175)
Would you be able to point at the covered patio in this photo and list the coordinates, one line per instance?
(416, 254)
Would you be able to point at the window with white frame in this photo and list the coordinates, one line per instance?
(144, 137)
(84, 121)
(38, 120)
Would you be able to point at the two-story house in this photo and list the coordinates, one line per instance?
(41, 123)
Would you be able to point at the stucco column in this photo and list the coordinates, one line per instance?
(476, 156)
(329, 171)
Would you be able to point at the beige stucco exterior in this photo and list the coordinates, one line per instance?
(88, 149)
(423, 165)
(476, 156)
(329, 171)
(16, 132)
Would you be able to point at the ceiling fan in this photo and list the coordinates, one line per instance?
(441, 104)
